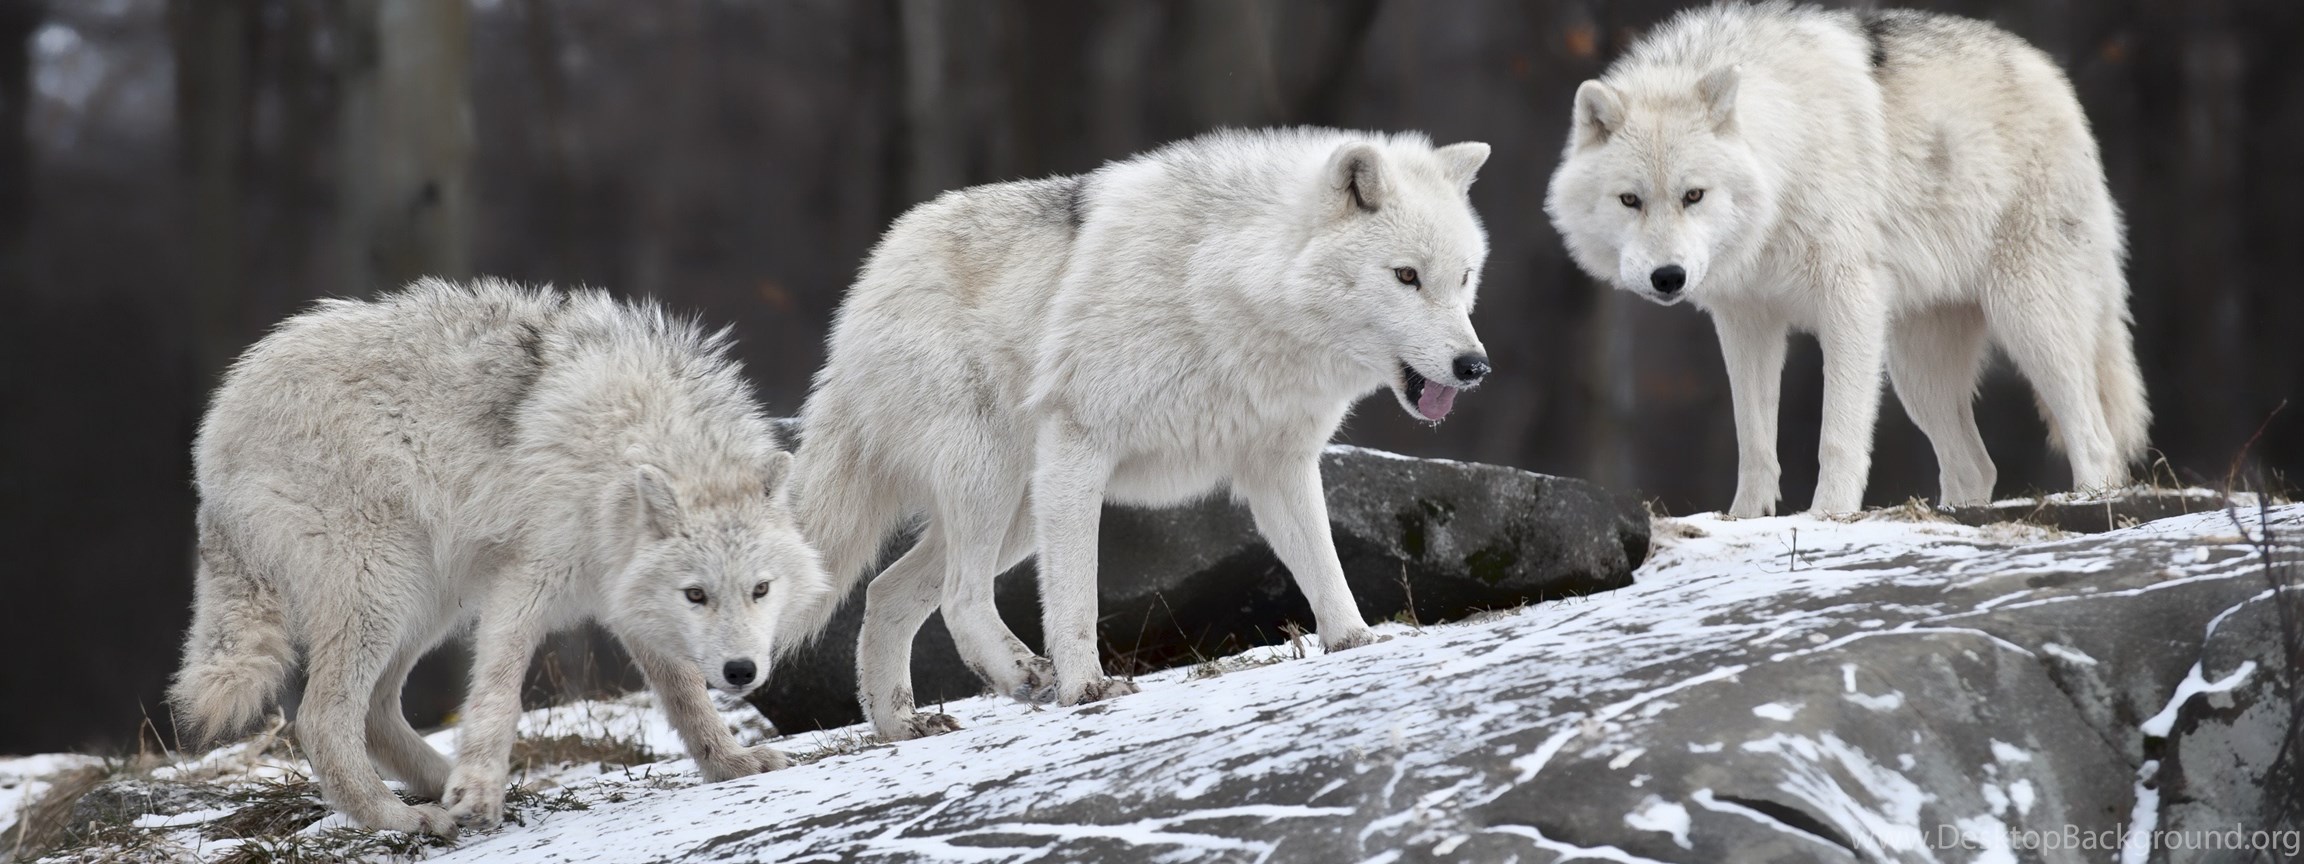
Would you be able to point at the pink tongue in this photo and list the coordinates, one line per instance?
(1436, 400)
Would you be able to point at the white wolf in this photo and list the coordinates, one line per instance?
(1014, 355)
(374, 476)
(1901, 184)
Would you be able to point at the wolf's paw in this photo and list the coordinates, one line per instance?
(475, 803)
(1039, 682)
(1352, 639)
(744, 763)
(921, 725)
(1750, 506)
(1102, 689)
(428, 819)
(411, 819)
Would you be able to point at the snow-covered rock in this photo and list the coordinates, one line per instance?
(1782, 689)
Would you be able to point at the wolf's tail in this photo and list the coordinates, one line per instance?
(846, 511)
(239, 650)
(2122, 388)
(2119, 389)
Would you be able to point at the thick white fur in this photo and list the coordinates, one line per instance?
(1014, 355)
(375, 476)
(1905, 212)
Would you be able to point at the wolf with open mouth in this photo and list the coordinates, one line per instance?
(1195, 318)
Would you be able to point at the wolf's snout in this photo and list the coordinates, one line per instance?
(739, 672)
(1470, 368)
(1668, 278)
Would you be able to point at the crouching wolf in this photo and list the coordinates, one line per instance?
(374, 476)
(1908, 186)
(1014, 355)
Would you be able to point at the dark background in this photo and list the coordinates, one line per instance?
(175, 176)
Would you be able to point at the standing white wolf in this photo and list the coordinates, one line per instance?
(1014, 355)
(1906, 186)
(375, 476)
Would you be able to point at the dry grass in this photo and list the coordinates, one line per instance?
(614, 752)
(279, 807)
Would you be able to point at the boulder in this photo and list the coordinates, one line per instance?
(1423, 540)
(1783, 689)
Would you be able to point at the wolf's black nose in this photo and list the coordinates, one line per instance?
(739, 672)
(1470, 368)
(1668, 278)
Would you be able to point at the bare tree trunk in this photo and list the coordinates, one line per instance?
(406, 142)
(555, 136)
(212, 87)
(1228, 58)
(953, 114)
(18, 20)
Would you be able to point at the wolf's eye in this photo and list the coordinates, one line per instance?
(695, 595)
(760, 590)
(1407, 276)
(1693, 196)
(1630, 200)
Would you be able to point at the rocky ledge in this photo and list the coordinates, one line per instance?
(1890, 687)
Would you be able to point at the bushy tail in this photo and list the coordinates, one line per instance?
(238, 652)
(2122, 389)
(846, 511)
(2119, 388)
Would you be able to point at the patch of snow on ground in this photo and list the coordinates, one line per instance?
(1657, 814)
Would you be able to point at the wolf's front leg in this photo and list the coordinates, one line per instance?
(1291, 511)
(510, 629)
(1854, 335)
(1068, 481)
(687, 702)
(1752, 345)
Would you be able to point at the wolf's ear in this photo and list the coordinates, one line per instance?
(1599, 113)
(776, 476)
(659, 508)
(1718, 90)
(1463, 161)
(1357, 171)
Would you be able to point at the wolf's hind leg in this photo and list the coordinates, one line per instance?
(895, 604)
(1933, 359)
(354, 639)
(393, 743)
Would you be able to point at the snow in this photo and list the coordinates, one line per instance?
(2193, 685)
(1657, 814)
(1401, 737)
(2144, 822)
(23, 779)
(1777, 711)
(2068, 655)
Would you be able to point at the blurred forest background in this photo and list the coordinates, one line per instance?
(176, 176)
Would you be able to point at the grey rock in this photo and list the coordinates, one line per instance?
(1922, 700)
(1422, 539)
(2234, 758)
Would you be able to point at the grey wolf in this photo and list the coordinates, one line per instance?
(1910, 187)
(374, 476)
(1196, 318)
